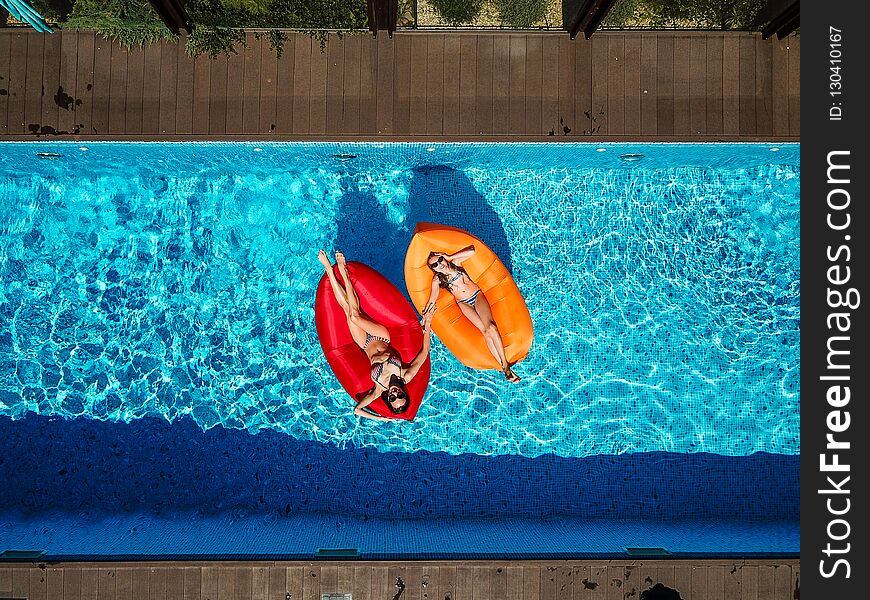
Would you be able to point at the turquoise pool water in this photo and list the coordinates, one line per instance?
(173, 279)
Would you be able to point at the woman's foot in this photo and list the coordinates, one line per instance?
(511, 376)
(339, 259)
(323, 257)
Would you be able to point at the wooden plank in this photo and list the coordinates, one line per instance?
(649, 93)
(779, 87)
(482, 53)
(167, 104)
(431, 573)
(532, 582)
(467, 116)
(384, 85)
(567, 118)
(613, 582)
(157, 577)
(268, 88)
(714, 83)
(796, 579)
(794, 85)
(547, 583)
(351, 98)
(533, 93)
(446, 583)
(301, 83)
(141, 584)
(666, 574)
(682, 66)
(417, 87)
(452, 65)
(86, 81)
(153, 55)
(582, 589)
(107, 585)
(368, 77)
(34, 90)
(362, 584)
(616, 85)
(766, 583)
(117, 90)
(236, 584)
(329, 579)
(683, 580)
(749, 583)
(37, 584)
(218, 94)
(135, 88)
(335, 85)
(716, 583)
(632, 583)
(175, 583)
(251, 84)
(295, 582)
(17, 84)
(665, 85)
(730, 85)
(382, 586)
(311, 584)
(192, 583)
(5, 60)
(501, 81)
(481, 582)
(498, 583)
(124, 584)
(5, 572)
(747, 85)
(235, 93)
(284, 87)
(317, 106)
(345, 579)
(600, 72)
(699, 582)
(413, 582)
(698, 85)
(210, 580)
(583, 86)
(64, 94)
(565, 583)
(783, 584)
(517, 108)
(732, 588)
(463, 588)
(551, 68)
(402, 90)
(201, 95)
(632, 92)
(72, 583)
(276, 581)
(90, 584)
(435, 85)
(763, 87)
(185, 92)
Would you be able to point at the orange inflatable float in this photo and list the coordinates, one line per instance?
(462, 338)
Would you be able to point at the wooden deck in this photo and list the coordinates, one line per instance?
(667, 86)
(467, 580)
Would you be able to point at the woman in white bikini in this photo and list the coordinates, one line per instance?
(389, 373)
(448, 274)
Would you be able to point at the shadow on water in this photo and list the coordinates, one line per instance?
(82, 465)
(438, 194)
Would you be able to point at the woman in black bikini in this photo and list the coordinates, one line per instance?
(388, 372)
(448, 274)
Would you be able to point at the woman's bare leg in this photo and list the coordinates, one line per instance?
(337, 288)
(356, 316)
(485, 312)
(472, 316)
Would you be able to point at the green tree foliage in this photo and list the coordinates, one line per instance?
(522, 14)
(458, 12)
(130, 22)
(713, 14)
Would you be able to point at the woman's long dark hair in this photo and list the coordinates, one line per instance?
(384, 395)
(442, 278)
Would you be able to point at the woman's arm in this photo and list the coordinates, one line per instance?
(461, 255)
(418, 361)
(433, 295)
(368, 399)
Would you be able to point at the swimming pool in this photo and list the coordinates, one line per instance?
(176, 281)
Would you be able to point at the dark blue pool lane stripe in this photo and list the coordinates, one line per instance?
(150, 465)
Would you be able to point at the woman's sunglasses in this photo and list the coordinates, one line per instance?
(397, 396)
(436, 262)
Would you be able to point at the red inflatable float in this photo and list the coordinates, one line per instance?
(384, 303)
